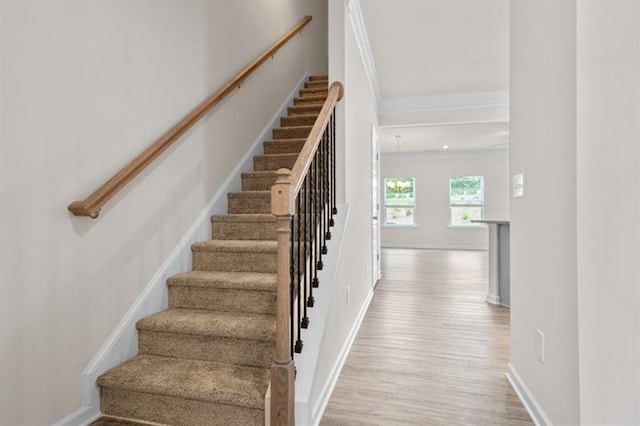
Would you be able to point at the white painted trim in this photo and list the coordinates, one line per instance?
(443, 123)
(435, 247)
(362, 39)
(83, 416)
(453, 101)
(526, 397)
(122, 344)
(327, 390)
(493, 299)
(314, 336)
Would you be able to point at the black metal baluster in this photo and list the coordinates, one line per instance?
(298, 347)
(291, 286)
(327, 185)
(312, 222)
(303, 296)
(333, 165)
(309, 260)
(317, 205)
(320, 196)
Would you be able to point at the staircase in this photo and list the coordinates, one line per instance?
(205, 360)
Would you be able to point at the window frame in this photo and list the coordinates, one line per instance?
(387, 204)
(466, 203)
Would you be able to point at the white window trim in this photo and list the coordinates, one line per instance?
(469, 203)
(385, 206)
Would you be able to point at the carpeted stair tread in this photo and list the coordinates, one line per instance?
(309, 99)
(299, 120)
(249, 217)
(273, 162)
(250, 194)
(112, 421)
(320, 83)
(233, 325)
(258, 281)
(191, 379)
(237, 246)
(247, 226)
(312, 108)
(283, 146)
(249, 202)
(291, 132)
(324, 91)
(319, 77)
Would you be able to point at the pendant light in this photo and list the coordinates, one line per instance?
(391, 184)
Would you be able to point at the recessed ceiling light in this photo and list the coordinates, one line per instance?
(445, 146)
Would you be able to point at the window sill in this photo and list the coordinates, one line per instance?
(386, 225)
(472, 226)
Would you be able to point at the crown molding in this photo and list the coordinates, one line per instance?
(454, 101)
(420, 103)
(357, 22)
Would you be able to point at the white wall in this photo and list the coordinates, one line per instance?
(543, 223)
(355, 268)
(85, 87)
(608, 211)
(432, 172)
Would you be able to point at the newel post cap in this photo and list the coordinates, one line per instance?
(282, 197)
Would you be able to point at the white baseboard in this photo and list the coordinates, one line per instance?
(84, 416)
(494, 299)
(327, 390)
(122, 345)
(435, 246)
(526, 397)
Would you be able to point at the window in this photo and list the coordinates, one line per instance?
(466, 200)
(399, 201)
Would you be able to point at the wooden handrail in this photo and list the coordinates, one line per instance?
(283, 195)
(336, 92)
(93, 203)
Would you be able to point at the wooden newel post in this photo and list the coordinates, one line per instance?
(282, 369)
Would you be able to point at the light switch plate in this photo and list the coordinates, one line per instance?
(518, 185)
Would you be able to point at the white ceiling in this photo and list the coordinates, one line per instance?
(455, 136)
(439, 54)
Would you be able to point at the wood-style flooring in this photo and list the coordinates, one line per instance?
(430, 350)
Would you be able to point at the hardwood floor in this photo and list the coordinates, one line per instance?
(430, 351)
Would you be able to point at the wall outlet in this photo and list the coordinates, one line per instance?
(348, 295)
(539, 345)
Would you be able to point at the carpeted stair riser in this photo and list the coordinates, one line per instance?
(245, 256)
(299, 120)
(306, 100)
(175, 411)
(310, 84)
(222, 300)
(284, 146)
(247, 202)
(293, 132)
(314, 108)
(273, 162)
(262, 181)
(238, 227)
(324, 91)
(254, 353)
(230, 261)
(319, 77)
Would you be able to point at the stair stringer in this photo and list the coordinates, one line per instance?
(122, 344)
